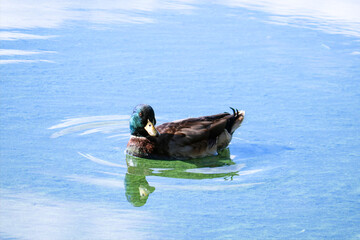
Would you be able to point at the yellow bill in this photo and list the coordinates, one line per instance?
(151, 130)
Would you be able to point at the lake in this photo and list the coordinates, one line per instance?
(72, 71)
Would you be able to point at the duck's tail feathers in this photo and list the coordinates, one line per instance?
(235, 121)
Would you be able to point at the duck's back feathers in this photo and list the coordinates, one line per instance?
(198, 137)
(195, 129)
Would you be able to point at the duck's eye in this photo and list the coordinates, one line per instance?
(149, 125)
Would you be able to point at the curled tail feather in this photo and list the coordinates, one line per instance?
(235, 121)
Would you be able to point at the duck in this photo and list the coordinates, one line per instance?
(181, 139)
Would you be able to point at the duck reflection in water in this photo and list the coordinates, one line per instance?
(138, 190)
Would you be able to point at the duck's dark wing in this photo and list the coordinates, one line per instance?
(192, 130)
(197, 137)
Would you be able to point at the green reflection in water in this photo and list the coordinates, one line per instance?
(138, 190)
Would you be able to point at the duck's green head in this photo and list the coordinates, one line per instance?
(142, 121)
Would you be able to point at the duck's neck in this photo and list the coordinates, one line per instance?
(140, 147)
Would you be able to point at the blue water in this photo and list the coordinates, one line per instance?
(72, 72)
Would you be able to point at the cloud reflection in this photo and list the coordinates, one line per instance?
(24, 61)
(103, 182)
(37, 216)
(12, 36)
(15, 52)
(330, 16)
(23, 14)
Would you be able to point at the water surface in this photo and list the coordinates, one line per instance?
(71, 72)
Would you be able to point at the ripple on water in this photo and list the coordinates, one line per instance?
(223, 170)
(94, 124)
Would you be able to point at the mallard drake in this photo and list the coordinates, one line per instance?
(181, 139)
